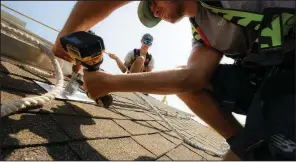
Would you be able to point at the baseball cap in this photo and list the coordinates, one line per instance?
(146, 16)
(147, 37)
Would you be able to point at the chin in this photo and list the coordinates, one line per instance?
(174, 20)
(177, 19)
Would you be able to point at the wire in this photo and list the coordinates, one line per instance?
(29, 17)
(224, 145)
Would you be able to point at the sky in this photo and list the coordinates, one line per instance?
(121, 32)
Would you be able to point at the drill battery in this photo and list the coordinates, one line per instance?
(85, 48)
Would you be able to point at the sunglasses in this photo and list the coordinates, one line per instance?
(147, 42)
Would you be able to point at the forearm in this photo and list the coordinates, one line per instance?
(192, 78)
(165, 82)
(86, 14)
(120, 65)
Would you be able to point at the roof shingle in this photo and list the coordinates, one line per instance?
(111, 149)
(156, 143)
(41, 153)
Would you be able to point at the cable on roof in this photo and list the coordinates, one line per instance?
(224, 145)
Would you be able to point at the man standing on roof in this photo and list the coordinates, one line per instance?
(264, 54)
(137, 60)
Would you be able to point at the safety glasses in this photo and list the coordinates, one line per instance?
(147, 42)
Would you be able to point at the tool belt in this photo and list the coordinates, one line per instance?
(276, 41)
(254, 142)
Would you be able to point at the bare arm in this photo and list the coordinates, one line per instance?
(126, 63)
(121, 66)
(195, 76)
(85, 15)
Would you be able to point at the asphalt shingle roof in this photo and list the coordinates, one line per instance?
(68, 130)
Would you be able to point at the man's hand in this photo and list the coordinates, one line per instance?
(112, 56)
(58, 51)
(121, 66)
(96, 84)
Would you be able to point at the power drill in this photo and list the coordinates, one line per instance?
(87, 50)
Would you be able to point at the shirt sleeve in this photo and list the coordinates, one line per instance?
(129, 57)
(196, 43)
(151, 63)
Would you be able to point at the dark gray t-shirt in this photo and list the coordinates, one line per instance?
(227, 37)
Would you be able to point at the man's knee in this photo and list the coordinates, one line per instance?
(138, 65)
(140, 60)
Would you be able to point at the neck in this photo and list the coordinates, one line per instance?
(143, 51)
(190, 8)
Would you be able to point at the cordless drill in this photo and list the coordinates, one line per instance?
(87, 50)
